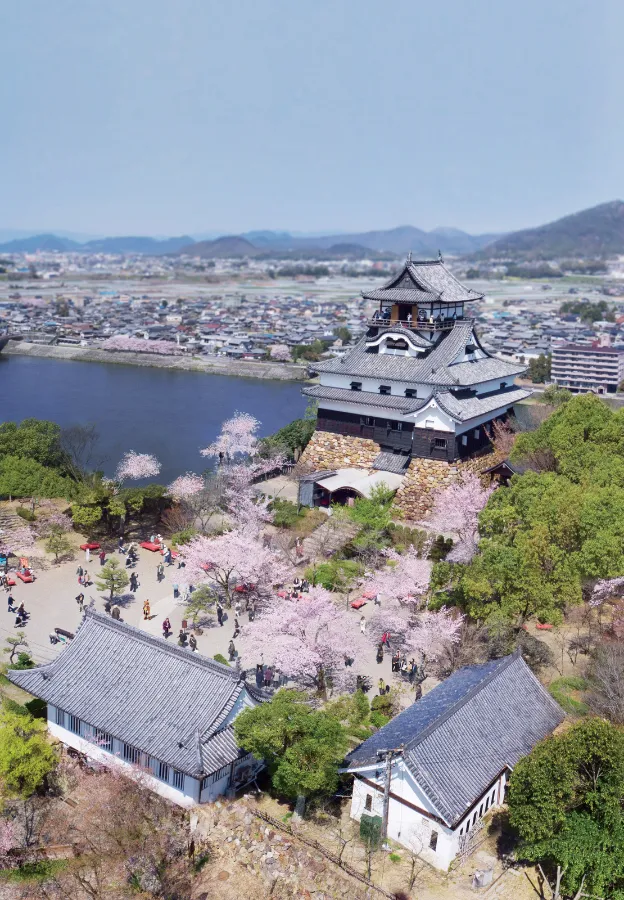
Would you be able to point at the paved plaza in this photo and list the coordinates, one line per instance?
(51, 602)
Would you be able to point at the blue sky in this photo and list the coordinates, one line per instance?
(186, 116)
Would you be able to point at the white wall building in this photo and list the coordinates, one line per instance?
(126, 698)
(452, 752)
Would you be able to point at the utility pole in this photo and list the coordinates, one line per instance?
(390, 756)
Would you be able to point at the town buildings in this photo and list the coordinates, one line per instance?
(123, 697)
(419, 382)
(443, 763)
(579, 368)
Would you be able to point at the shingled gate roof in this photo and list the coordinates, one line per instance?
(464, 732)
(162, 699)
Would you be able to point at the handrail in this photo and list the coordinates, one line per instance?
(415, 324)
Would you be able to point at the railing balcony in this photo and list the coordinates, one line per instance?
(437, 323)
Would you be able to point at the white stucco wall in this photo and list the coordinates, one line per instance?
(411, 828)
(186, 797)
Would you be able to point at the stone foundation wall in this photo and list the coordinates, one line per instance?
(337, 451)
(424, 477)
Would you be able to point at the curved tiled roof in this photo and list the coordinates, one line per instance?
(159, 697)
(464, 732)
(363, 398)
(424, 281)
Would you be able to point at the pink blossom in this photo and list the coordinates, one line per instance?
(433, 631)
(281, 352)
(186, 486)
(8, 837)
(135, 466)
(405, 578)
(246, 505)
(230, 558)
(308, 640)
(140, 345)
(606, 589)
(238, 435)
(387, 619)
(50, 518)
(456, 511)
(18, 540)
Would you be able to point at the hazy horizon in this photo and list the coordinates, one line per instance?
(194, 117)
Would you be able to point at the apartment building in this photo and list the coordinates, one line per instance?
(582, 368)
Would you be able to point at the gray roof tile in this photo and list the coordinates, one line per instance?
(462, 409)
(460, 736)
(162, 699)
(435, 367)
(365, 398)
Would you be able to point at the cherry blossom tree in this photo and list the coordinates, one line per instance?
(387, 619)
(198, 499)
(230, 558)
(503, 438)
(134, 466)
(606, 589)
(456, 511)
(140, 345)
(405, 578)
(432, 632)
(281, 352)
(309, 640)
(249, 509)
(239, 435)
(51, 519)
(186, 486)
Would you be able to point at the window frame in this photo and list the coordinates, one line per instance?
(433, 840)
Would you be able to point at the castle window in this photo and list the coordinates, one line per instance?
(368, 805)
(398, 344)
(433, 841)
(356, 385)
(410, 392)
(464, 440)
(429, 423)
(384, 388)
(476, 432)
(440, 443)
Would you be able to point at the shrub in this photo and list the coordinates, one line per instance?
(24, 513)
(286, 514)
(378, 719)
(335, 574)
(183, 536)
(561, 690)
(218, 657)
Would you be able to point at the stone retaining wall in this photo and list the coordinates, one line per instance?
(424, 477)
(337, 451)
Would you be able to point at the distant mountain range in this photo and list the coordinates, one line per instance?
(591, 233)
(384, 244)
(594, 232)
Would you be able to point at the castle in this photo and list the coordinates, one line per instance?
(418, 384)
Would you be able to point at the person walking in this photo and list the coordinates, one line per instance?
(236, 628)
(382, 687)
(176, 591)
(88, 555)
(79, 573)
(160, 572)
(102, 555)
(380, 652)
(193, 643)
(220, 614)
(80, 601)
(11, 603)
(120, 545)
(268, 676)
(231, 650)
(362, 624)
(166, 627)
(167, 556)
(259, 674)
(86, 579)
(134, 582)
(147, 610)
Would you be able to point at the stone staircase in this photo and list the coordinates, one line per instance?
(328, 538)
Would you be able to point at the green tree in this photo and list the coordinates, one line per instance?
(86, 517)
(26, 756)
(23, 477)
(111, 577)
(16, 643)
(57, 543)
(302, 747)
(539, 368)
(34, 439)
(565, 802)
(202, 600)
(343, 334)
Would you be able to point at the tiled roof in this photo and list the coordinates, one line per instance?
(156, 696)
(464, 732)
(400, 295)
(391, 462)
(471, 407)
(434, 368)
(364, 398)
(424, 281)
(413, 337)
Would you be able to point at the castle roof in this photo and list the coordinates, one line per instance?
(424, 281)
(435, 367)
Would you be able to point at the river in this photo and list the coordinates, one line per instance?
(167, 412)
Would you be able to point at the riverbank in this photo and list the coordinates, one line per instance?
(210, 365)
